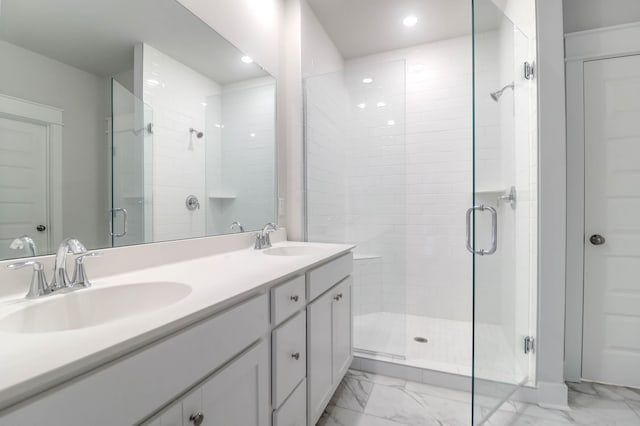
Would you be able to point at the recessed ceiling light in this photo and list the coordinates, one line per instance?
(410, 21)
(391, 123)
(367, 80)
(362, 106)
(253, 135)
(153, 82)
(246, 59)
(203, 103)
(380, 104)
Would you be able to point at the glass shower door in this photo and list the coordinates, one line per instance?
(131, 168)
(355, 165)
(501, 223)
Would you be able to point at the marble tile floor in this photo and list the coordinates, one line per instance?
(365, 399)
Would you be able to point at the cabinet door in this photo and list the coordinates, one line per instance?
(191, 407)
(341, 325)
(319, 355)
(172, 416)
(238, 395)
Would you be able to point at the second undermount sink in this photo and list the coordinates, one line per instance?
(293, 251)
(92, 307)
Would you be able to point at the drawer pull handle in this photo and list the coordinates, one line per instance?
(197, 419)
(337, 297)
(295, 297)
(296, 356)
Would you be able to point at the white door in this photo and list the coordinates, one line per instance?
(611, 324)
(23, 185)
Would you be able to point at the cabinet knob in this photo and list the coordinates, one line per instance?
(337, 297)
(296, 356)
(197, 419)
(295, 297)
(597, 240)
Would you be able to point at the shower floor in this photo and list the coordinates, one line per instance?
(390, 337)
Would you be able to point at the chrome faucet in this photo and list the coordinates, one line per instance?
(60, 277)
(40, 287)
(263, 240)
(24, 241)
(238, 225)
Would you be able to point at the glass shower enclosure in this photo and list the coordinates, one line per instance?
(502, 222)
(425, 158)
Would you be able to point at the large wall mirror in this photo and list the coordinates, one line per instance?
(125, 122)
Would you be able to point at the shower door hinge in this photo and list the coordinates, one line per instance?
(528, 70)
(529, 345)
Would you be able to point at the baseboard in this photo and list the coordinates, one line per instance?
(553, 395)
(545, 394)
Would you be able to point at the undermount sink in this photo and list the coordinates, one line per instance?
(91, 307)
(293, 251)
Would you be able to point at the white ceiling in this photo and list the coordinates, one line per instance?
(98, 35)
(364, 27)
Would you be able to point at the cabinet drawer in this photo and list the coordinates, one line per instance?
(289, 346)
(286, 299)
(326, 276)
(294, 411)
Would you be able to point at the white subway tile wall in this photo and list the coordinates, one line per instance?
(178, 97)
(403, 145)
(230, 169)
(246, 189)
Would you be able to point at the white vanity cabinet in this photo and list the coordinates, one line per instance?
(272, 359)
(133, 387)
(237, 395)
(329, 335)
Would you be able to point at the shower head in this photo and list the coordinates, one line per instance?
(496, 95)
(197, 133)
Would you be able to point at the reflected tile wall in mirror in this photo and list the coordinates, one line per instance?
(153, 107)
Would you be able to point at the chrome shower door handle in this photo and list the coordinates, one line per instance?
(494, 230)
(124, 216)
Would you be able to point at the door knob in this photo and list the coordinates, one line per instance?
(197, 419)
(41, 228)
(597, 240)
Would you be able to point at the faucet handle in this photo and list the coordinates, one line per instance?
(39, 285)
(80, 273)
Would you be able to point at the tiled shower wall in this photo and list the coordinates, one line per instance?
(244, 187)
(178, 97)
(427, 166)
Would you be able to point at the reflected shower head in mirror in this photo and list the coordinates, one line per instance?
(496, 95)
(197, 133)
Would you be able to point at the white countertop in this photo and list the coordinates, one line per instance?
(33, 362)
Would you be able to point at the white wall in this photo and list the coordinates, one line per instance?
(581, 15)
(552, 191)
(178, 97)
(319, 53)
(82, 96)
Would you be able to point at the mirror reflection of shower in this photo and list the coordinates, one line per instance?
(196, 132)
(496, 95)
